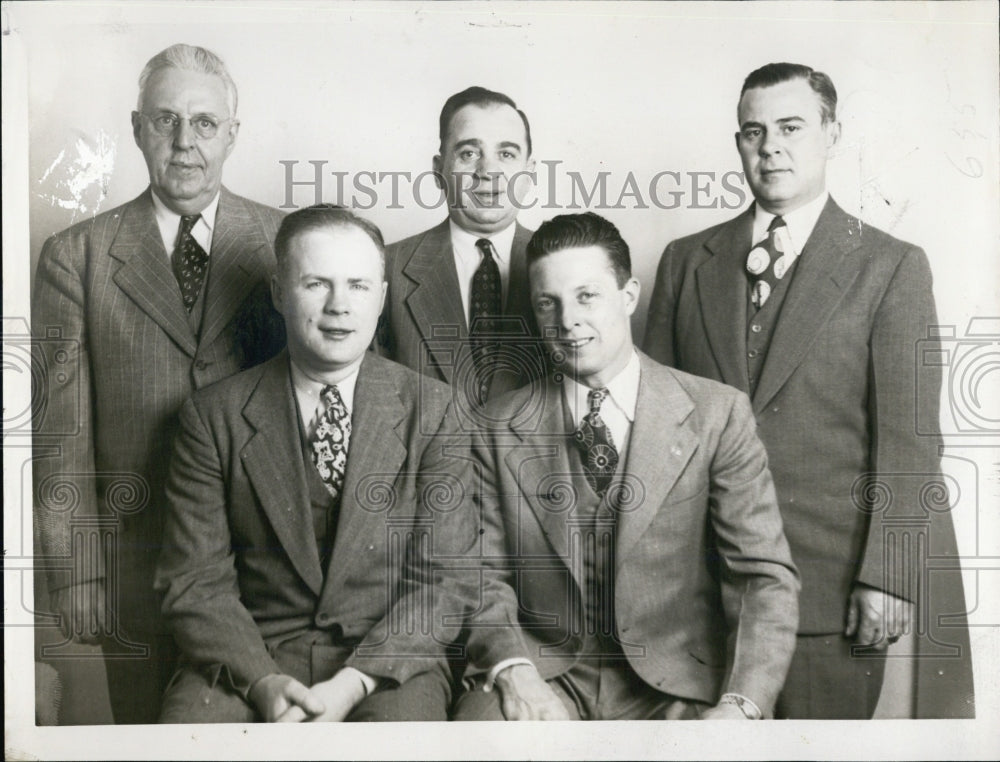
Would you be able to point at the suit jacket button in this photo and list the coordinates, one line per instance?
(200, 365)
(755, 328)
(323, 619)
(752, 353)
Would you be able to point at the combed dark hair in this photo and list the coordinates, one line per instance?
(776, 73)
(316, 218)
(571, 231)
(478, 96)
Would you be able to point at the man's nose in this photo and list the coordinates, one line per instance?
(336, 300)
(568, 319)
(184, 136)
(488, 168)
(769, 145)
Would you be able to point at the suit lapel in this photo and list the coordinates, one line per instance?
(518, 295)
(722, 291)
(542, 467)
(273, 462)
(825, 272)
(660, 445)
(239, 260)
(436, 298)
(145, 274)
(376, 454)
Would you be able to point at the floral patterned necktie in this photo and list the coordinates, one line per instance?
(597, 448)
(330, 440)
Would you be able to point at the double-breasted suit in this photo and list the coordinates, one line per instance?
(704, 587)
(240, 569)
(836, 400)
(424, 326)
(120, 354)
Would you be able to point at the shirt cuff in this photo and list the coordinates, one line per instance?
(370, 683)
(500, 667)
(743, 703)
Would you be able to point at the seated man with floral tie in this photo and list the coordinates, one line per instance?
(636, 563)
(303, 530)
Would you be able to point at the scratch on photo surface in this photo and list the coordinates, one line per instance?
(78, 178)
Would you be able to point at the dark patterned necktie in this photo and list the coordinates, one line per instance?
(189, 262)
(330, 440)
(597, 448)
(486, 308)
(768, 262)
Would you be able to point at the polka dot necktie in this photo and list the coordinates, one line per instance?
(597, 448)
(768, 262)
(189, 262)
(330, 440)
(486, 308)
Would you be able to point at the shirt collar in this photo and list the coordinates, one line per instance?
(800, 222)
(623, 390)
(464, 242)
(308, 389)
(168, 219)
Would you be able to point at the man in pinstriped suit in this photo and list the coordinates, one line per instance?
(154, 299)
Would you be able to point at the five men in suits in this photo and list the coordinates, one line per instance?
(458, 292)
(305, 511)
(816, 316)
(139, 307)
(638, 566)
(635, 560)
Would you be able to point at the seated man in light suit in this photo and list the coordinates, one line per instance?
(299, 496)
(638, 568)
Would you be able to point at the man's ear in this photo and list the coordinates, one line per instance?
(632, 288)
(234, 131)
(436, 164)
(832, 134)
(136, 127)
(276, 295)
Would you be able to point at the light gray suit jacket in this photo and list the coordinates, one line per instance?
(118, 357)
(705, 590)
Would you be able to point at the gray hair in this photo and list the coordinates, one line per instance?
(189, 58)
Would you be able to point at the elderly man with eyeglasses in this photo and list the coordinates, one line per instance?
(136, 309)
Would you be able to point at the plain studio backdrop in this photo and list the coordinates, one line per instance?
(636, 94)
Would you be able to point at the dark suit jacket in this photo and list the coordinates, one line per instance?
(836, 403)
(240, 569)
(120, 358)
(705, 589)
(424, 326)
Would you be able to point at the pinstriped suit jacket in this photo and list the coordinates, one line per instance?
(118, 357)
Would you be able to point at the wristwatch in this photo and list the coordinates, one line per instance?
(750, 710)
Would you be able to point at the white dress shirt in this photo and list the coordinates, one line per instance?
(468, 257)
(307, 393)
(618, 408)
(169, 223)
(799, 224)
